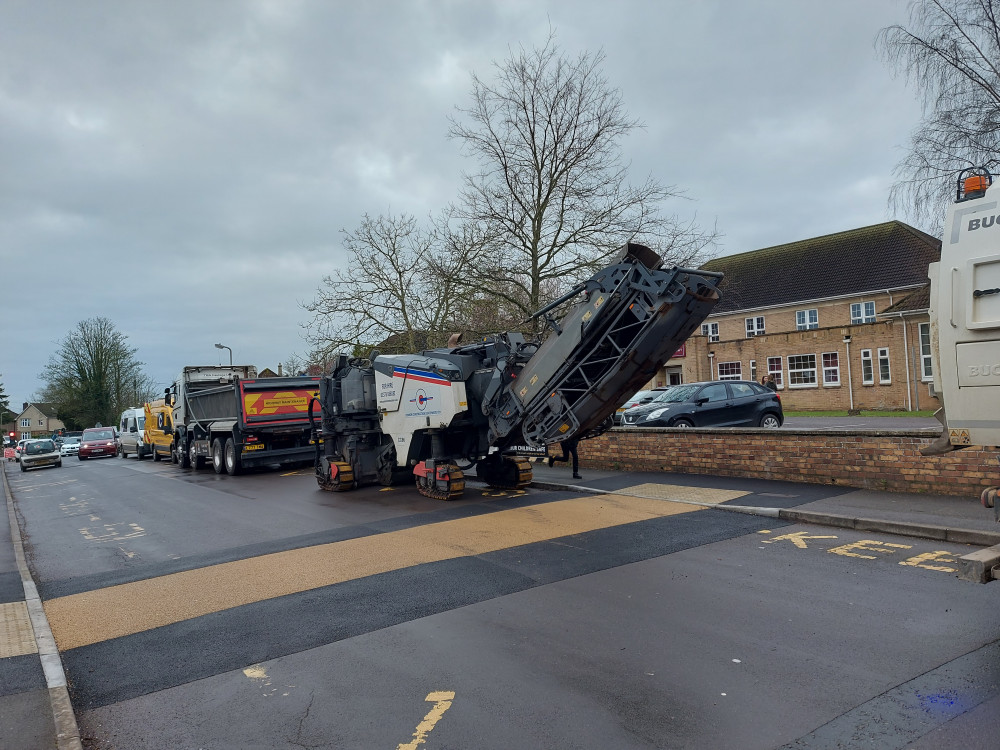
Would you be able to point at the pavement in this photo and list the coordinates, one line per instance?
(35, 710)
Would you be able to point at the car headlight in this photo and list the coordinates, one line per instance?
(658, 413)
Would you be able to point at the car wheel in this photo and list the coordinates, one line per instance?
(156, 455)
(769, 420)
(682, 423)
(22, 468)
(59, 465)
(233, 464)
(138, 453)
(218, 459)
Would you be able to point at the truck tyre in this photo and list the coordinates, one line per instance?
(218, 459)
(182, 457)
(138, 452)
(194, 460)
(233, 464)
(156, 455)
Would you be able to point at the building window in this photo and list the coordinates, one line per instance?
(862, 312)
(806, 320)
(755, 326)
(884, 375)
(774, 368)
(753, 370)
(867, 370)
(25, 422)
(926, 366)
(802, 371)
(730, 370)
(41, 422)
(831, 368)
(711, 330)
(25, 436)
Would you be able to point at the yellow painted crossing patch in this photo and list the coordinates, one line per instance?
(95, 616)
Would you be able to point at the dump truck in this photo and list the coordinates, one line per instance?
(431, 416)
(965, 320)
(228, 416)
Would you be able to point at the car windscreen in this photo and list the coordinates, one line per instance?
(71, 440)
(100, 435)
(39, 446)
(677, 394)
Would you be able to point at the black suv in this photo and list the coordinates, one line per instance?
(717, 403)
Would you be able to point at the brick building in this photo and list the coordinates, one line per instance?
(37, 420)
(841, 321)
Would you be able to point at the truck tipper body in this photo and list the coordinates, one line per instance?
(227, 416)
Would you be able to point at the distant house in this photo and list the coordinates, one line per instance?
(37, 420)
(841, 321)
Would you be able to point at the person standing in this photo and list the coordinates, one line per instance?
(770, 383)
(569, 449)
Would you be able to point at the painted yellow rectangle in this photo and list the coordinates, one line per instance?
(94, 616)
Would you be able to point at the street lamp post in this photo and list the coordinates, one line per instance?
(223, 346)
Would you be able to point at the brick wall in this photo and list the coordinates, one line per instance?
(882, 460)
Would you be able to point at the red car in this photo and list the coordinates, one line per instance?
(98, 442)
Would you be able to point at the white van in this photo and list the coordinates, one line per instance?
(131, 428)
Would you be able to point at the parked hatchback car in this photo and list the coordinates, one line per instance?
(642, 397)
(717, 403)
(98, 442)
(36, 454)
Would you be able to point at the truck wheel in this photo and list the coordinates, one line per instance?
(233, 465)
(182, 458)
(218, 459)
(138, 453)
(196, 461)
(156, 455)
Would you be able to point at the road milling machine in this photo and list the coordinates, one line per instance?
(434, 415)
(965, 321)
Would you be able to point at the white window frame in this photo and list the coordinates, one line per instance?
(883, 358)
(711, 330)
(774, 367)
(794, 372)
(41, 422)
(26, 422)
(755, 326)
(865, 312)
(753, 370)
(831, 369)
(734, 370)
(867, 368)
(25, 436)
(807, 320)
(926, 358)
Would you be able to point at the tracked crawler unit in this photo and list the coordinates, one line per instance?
(436, 414)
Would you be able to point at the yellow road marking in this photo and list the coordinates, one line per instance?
(941, 555)
(867, 545)
(94, 616)
(798, 538)
(442, 702)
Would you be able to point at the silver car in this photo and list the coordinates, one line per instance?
(38, 453)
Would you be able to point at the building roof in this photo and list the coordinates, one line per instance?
(917, 301)
(859, 261)
(48, 410)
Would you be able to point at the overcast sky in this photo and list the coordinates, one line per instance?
(185, 168)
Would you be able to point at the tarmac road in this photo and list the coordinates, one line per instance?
(199, 611)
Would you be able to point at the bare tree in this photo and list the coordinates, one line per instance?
(551, 198)
(951, 54)
(94, 375)
(395, 285)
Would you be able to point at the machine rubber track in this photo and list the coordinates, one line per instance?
(340, 483)
(515, 474)
(456, 485)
